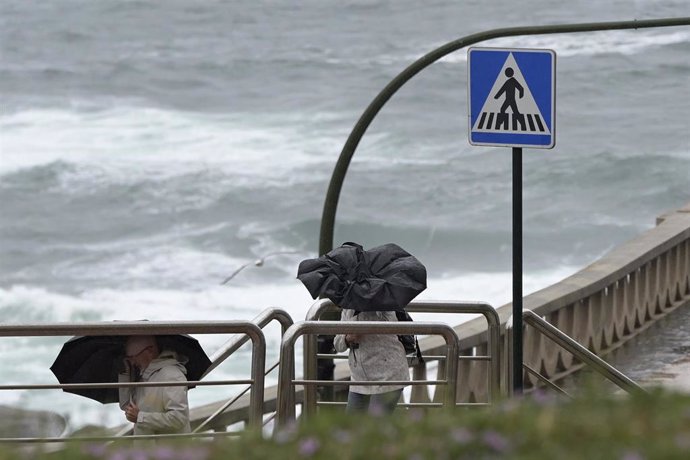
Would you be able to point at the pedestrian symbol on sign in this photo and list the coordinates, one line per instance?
(508, 89)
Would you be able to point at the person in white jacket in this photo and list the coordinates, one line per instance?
(154, 410)
(373, 357)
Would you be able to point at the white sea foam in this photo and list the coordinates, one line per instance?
(127, 144)
(236, 300)
(153, 265)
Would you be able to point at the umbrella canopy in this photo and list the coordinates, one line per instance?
(382, 278)
(97, 359)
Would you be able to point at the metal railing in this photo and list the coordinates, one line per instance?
(286, 383)
(234, 344)
(323, 306)
(122, 328)
(588, 358)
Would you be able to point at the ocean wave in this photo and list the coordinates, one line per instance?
(217, 303)
(625, 43)
(129, 144)
(235, 301)
(585, 44)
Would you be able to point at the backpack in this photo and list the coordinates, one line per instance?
(409, 341)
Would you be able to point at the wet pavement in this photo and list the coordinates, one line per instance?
(660, 355)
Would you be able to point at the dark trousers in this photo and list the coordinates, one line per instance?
(382, 403)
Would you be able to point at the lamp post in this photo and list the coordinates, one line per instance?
(256, 263)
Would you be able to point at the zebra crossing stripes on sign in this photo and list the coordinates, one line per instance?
(512, 97)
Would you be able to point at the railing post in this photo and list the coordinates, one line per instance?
(508, 358)
(284, 410)
(256, 398)
(451, 371)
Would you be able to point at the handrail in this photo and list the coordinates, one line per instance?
(322, 306)
(110, 439)
(95, 386)
(232, 345)
(286, 383)
(583, 354)
(122, 328)
(545, 381)
(338, 177)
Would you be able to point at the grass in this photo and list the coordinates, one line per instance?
(654, 426)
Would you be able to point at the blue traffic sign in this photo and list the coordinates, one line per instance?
(512, 97)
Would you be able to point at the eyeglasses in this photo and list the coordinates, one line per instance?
(135, 356)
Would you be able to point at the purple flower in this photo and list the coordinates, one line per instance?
(194, 453)
(461, 435)
(342, 436)
(95, 450)
(138, 455)
(510, 405)
(163, 453)
(683, 441)
(416, 415)
(496, 441)
(119, 455)
(632, 455)
(542, 398)
(285, 435)
(309, 446)
(390, 450)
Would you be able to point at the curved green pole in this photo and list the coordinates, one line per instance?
(336, 183)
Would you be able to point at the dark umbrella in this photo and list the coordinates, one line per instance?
(97, 359)
(382, 278)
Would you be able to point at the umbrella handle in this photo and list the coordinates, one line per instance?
(133, 377)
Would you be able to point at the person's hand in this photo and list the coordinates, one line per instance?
(132, 412)
(351, 339)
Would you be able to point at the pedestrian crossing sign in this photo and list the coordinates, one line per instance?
(512, 97)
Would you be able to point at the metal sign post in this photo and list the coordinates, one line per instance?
(517, 270)
(512, 104)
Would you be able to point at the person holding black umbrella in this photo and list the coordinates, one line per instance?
(379, 357)
(154, 410)
(369, 285)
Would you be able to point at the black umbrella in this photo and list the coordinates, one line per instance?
(97, 359)
(382, 278)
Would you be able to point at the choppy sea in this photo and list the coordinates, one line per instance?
(150, 149)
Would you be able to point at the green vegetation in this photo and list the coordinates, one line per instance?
(655, 426)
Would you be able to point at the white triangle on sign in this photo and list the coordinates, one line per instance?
(493, 104)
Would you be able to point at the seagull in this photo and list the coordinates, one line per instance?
(256, 263)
